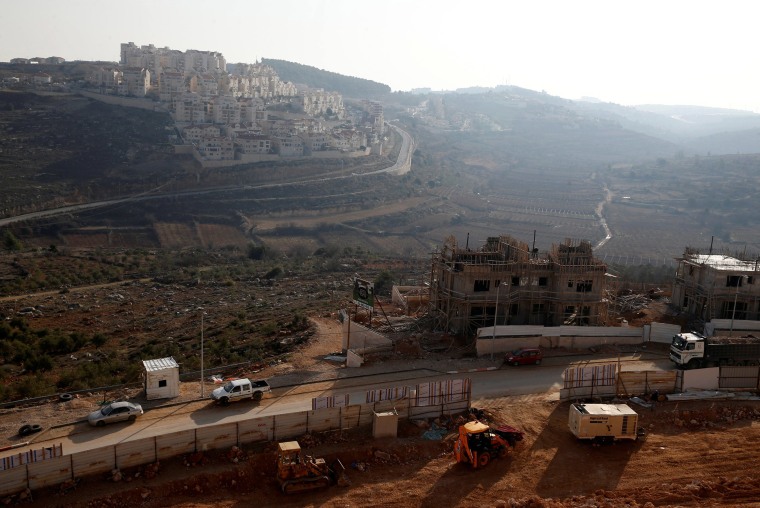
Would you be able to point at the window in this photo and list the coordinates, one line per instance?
(570, 283)
(162, 383)
(497, 283)
(538, 308)
(515, 281)
(734, 281)
(583, 286)
(585, 313)
(543, 281)
(482, 285)
(739, 312)
(750, 279)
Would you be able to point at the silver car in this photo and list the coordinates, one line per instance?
(115, 412)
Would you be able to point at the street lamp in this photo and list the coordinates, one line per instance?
(736, 296)
(203, 394)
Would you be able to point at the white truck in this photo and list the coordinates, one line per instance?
(695, 351)
(237, 389)
(603, 423)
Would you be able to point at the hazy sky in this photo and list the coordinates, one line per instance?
(627, 52)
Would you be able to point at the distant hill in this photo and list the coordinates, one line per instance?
(542, 128)
(729, 130)
(696, 129)
(736, 142)
(348, 86)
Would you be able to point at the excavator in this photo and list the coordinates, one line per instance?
(478, 443)
(298, 473)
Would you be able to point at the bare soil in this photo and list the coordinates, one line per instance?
(695, 453)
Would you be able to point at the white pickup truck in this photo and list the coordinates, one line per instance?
(240, 389)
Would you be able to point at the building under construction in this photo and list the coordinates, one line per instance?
(507, 283)
(716, 286)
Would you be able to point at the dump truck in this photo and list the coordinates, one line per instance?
(603, 423)
(479, 443)
(238, 389)
(297, 472)
(693, 350)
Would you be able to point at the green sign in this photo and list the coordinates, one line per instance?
(364, 293)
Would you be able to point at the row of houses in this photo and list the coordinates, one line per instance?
(505, 282)
(200, 89)
(173, 73)
(215, 142)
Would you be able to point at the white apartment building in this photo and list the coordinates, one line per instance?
(216, 149)
(171, 85)
(252, 111)
(196, 132)
(225, 110)
(288, 146)
(190, 108)
(252, 144)
(318, 102)
(135, 82)
(208, 85)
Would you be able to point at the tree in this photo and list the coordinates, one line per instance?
(383, 283)
(256, 252)
(10, 242)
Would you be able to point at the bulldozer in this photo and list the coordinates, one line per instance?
(297, 472)
(479, 443)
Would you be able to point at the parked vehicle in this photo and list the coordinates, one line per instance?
(29, 429)
(603, 423)
(240, 389)
(478, 443)
(693, 350)
(524, 356)
(298, 473)
(115, 412)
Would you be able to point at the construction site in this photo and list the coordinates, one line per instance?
(505, 282)
(717, 286)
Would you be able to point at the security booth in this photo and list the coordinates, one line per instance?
(161, 378)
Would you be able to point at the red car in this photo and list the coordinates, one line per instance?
(524, 356)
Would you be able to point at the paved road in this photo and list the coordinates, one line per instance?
(402, 165)
(546, 378)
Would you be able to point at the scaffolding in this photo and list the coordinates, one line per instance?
(717, 286)
(505, 282)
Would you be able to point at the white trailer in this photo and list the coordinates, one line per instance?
(603, 422)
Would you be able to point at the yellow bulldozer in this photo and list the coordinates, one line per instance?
(297, 472)
(478, 443)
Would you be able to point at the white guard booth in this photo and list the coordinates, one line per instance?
(161, 378)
